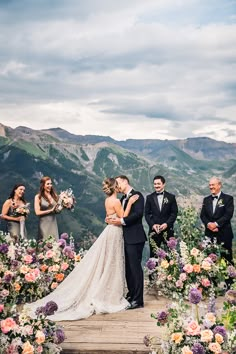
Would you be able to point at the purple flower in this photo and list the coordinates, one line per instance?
(50, 308)
(213, 257)
(161, 253)
(7, 278)
(197, 348)
(162, 317)
(230, 297)
(221, 330)
(14, 263)
(195, 296)
(62, 242)
(151, 264)
(40, 310)
(172, 243)
(64, 236)
(68, 252)
(146, 341)
(231, 271)
(3, 248)
(60, 336)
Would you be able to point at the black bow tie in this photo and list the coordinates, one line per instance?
(161, 193)
(214, 197)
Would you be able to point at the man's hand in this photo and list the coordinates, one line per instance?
(156, 228)
(212, 226)
(113, 221)
(163, 227)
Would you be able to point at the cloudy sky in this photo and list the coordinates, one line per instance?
(159, 69)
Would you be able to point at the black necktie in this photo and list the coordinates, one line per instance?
(161, 193)
(214, 197)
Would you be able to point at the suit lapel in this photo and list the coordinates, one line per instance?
(156, 201)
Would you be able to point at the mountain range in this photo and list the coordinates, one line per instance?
(82, 162)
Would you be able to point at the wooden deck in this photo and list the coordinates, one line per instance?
(118, 333)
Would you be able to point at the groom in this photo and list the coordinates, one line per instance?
(134, 240)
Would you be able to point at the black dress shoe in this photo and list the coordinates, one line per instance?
(128, 298)
(134, 305)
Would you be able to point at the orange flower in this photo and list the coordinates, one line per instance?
(44, 267)
(196, 268)
(27, 348)
(177, 337)
(77, 258)
(17, 287)
(59, 277)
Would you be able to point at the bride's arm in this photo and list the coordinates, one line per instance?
(120, 212)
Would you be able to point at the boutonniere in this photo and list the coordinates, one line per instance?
(165, 200)
(220, 202)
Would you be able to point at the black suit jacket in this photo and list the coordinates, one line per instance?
(167, 214)
(133, 230)
(223, 214)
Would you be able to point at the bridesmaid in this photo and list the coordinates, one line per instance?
(44, 205)
(9, 211)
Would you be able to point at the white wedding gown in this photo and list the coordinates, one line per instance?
(96, 284)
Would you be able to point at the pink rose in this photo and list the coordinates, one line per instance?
(215, 348)
(205, 282)
(64, 266)
(193, 328)
(40, 337)
(28, 259)
(4, 293)
(50, 254)
(183, 276)
(206, 335)
(188, 268)
(179, 284)
(30, 277)
(8, 325)
(1, 307)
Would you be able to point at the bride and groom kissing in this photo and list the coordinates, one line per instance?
(97, 283)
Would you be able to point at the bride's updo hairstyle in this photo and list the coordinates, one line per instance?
(109, 186)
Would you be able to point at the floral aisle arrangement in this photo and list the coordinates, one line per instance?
(192, 334)
(30, 270)
(188, 261)
(66, 201)
(21, 334)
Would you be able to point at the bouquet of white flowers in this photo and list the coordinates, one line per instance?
(66, 200)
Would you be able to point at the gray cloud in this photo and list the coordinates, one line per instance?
(170, 63)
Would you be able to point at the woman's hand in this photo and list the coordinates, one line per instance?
(133, 199)
(20, 218)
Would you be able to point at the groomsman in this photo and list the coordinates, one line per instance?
(160, 213)
(216, 214)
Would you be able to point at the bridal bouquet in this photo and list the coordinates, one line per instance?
(66, 200)
(22, 210)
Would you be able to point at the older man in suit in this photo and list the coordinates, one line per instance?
(160, 213)
(216, 214)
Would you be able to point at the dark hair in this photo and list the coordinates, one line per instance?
(109, 186)
(12, 194)
(123, 177)
(42, 191)
(160, 177)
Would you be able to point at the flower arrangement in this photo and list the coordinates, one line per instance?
(21, 334)
(191, 260)
(30, 270)
(66, 200)
(188, 334)
(22, 210)
(178, 269)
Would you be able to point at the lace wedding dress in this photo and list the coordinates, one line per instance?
(96, 284)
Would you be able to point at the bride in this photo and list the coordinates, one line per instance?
(96, 284)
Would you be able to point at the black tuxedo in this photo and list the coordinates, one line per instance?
(154, 215)
(134, 240)
(222, 216)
